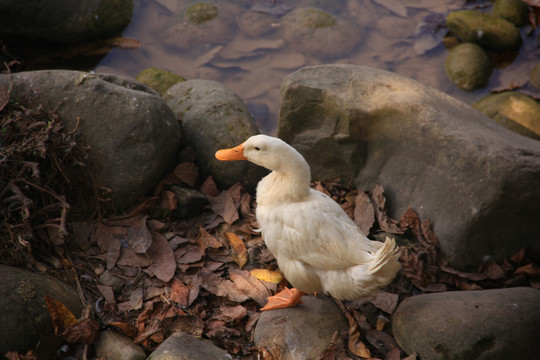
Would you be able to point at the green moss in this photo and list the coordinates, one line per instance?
(26, 290)
(159, 80)
(315, 19)
(201, 13)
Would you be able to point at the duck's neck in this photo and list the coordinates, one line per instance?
(288, 184)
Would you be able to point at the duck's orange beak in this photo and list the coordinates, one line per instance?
(235, 153)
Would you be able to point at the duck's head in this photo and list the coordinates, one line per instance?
(266, 151)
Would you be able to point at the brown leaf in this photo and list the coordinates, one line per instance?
(462, 274)
(168, 200)
(188, 173)
(221, 287)
(84, 332)
(250, 285)
(128, 257)
(355, 345)
(493, 271)
(385, 222)
(239, 251)
(107, 293)
(209, 240)
(410, 220)
(138, 236)
(162, 257)
(223, 205)
(180, 292)
(232, 313)
(236, 192)
(189, 254)
(364, 212)
(518, 257)
(187, 323)
(387, 302)
(529, 269)
(61, 317)
(209, 187)
(123, 43)
(411, 357)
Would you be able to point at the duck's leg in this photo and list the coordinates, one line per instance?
(284, 299)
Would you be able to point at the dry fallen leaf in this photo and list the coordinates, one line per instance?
(180, 292)
(250, 285)
(274, 277)
(188, 173)
(162, 257)
(385, 222)
(84, 332)
(126, 328)
(61, 317)
(364, 213)
(355, 345)
(239, 251)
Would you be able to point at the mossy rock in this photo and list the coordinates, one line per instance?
(514, 110)
(468, 66)
(320, 34)
(159, 80)
(201, 13)
(535, 76)
(490, 32)
(515, 11)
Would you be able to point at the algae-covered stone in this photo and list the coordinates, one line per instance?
(515, 11)
(535, 76)
(318, 33)
(468, 66)
(514, 110)
(200, 13)
(488, 31)
(159, 80)
(201, 24)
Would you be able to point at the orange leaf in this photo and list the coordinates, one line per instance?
(126, 328)
(62, 318)
(84, 332)
(238, 247)
(274, 277)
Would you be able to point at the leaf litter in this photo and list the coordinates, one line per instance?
(149, 274)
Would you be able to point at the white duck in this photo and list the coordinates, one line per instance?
(317, 246)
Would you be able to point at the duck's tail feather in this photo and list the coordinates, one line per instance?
(386, 257)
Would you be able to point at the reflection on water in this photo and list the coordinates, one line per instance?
(250, 46)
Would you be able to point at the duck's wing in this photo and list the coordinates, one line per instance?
(319, 233)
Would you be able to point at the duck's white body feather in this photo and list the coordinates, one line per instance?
(317, 246)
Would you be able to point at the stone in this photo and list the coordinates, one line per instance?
(190, 202)
(515, 11)
(114, 346)
(477, 182)
(488, 31)
(317, 33)
(25, 318)
(133, 135)
(535, 76)
(468, 66)
(212, 118)
(159, 80)
(201, 23)
(513, 110)
(479, 324)
(64, 20)
(301, 332)
(182, 346)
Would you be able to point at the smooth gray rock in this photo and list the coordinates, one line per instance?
(212, 118)
(182, 346)
(24, 316)
(482, 324)
(64, 20)
(301, 332)
(478, 182)
(133, 135)
(114, 346)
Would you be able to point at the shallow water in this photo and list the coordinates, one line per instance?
(254, 66)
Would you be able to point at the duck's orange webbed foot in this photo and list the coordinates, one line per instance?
(284, 299)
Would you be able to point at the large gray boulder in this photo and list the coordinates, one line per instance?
(64, 20)
(484, 324)
(25, 318)
(213, 117)
(133, 135)
(478, 182)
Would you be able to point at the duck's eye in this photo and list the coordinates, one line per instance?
(257, 148)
